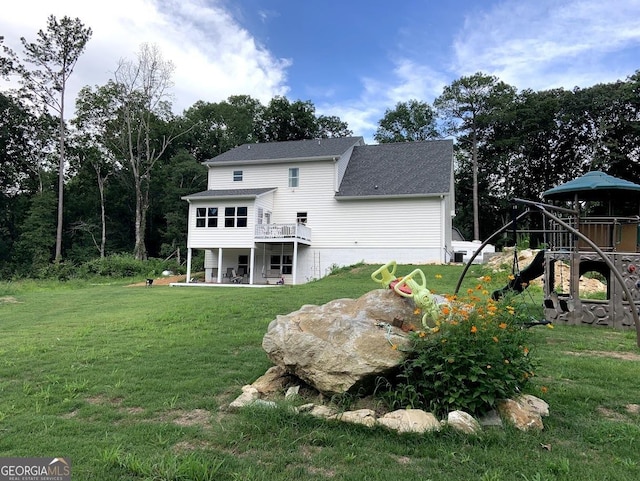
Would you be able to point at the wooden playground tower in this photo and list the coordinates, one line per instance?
(592, 225)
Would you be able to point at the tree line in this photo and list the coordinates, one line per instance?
(110, 179)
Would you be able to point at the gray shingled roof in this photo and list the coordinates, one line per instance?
(295, 149)
(226, 193)
(399, 169)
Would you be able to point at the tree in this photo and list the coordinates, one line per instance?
(467, 106)
(142, 90)
(53, 56)
(331, 127)
(408, 122)
(96, 117)
(283, 120)
(218, 127)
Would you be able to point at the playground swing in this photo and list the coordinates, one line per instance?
(520, 279)
(526, 303)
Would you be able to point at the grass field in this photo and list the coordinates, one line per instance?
(128, 382)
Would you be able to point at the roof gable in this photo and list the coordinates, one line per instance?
(288, 150)
(399, 169)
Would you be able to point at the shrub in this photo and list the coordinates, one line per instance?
(479, 355)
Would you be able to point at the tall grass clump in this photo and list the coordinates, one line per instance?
(478, 353)
(113, 266)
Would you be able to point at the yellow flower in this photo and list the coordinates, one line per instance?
(485, 292)
(422, 334)
(445, 310)
(487, 278)
(474, 329)
(549, 326)
(416, 311)
(478, 287)
(511, 277)
(438, 276)
(469, 291)
(502, 325)
(544, 389)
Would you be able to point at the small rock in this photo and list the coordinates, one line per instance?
(463, 422)
(292, 392)
(262, 403)
(321, 411)
(410, 421)
(273, 380)
(305, 408)
(534, 404)
(249, 395)
(520, 416)
(366, 417)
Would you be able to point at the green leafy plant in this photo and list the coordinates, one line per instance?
(479, 354)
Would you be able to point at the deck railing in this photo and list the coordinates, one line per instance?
(611, 234)
(283, 231)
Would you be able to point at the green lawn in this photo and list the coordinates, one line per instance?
(128, 383)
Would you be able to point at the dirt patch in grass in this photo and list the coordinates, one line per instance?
(103, 400)
(626, 356)
(160, 281)
(633, 408)
(9, 300)
(195, 417)
(190, 446)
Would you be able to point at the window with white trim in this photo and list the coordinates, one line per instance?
(237, 176)
(235, 217)
(294, 176)
(207, 217)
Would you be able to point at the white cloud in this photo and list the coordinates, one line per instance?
(547, 44)
(214, 56)
(409, 80)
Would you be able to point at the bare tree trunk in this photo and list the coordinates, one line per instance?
(61, 163)
(140, 249)
(103, 217)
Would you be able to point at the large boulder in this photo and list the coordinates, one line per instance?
(344, 344)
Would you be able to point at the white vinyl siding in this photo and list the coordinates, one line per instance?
(221, 236)
(409, 230)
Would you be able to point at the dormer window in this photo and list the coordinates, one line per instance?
(294, 177)
(237, 176)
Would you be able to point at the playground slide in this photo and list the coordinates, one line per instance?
(521, 280)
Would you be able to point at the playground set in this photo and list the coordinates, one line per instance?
(590, 224)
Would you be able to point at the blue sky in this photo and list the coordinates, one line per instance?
(351, 58)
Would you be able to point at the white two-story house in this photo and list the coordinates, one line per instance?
(295, 210)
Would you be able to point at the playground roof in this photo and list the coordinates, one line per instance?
(591, 186)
